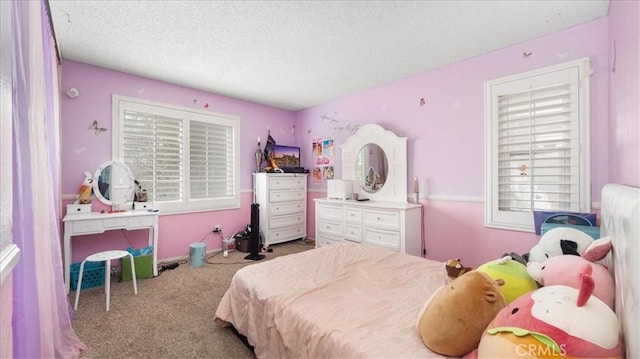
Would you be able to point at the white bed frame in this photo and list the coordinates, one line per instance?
(621, 221)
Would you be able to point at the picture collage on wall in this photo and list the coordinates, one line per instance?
(323, 159)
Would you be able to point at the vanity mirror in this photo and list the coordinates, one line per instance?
(376, 160)
(371, 168)
(113, 184)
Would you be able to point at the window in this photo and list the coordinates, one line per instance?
(186, 159)
(537, 144)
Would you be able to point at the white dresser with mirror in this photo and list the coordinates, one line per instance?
(375, 160)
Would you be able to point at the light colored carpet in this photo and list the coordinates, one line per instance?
(172, 315)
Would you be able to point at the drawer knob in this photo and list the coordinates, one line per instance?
(379, 219)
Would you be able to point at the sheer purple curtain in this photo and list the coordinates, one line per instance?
(41, 321)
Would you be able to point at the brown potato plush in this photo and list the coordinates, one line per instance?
(454, 318)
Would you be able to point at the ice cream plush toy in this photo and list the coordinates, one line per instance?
(517, 280)
(554, 321)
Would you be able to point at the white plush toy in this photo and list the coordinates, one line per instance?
(559, 241)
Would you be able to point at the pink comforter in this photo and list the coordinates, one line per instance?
(340, 301)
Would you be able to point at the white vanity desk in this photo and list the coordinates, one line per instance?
(96, 222)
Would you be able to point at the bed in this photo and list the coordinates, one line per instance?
(357, 301)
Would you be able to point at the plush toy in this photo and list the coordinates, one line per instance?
(517, 280)
(454, 318)
(559, 241)
(84, 194)
(455, 268)
(598, 249)
(562, 270)
(554, 321)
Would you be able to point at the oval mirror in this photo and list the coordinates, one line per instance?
(371, 168)
(113, 183)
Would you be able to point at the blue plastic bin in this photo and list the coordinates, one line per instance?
(93, 275)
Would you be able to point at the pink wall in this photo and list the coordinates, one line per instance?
(446, 135)
(624, 81)
(82, 150)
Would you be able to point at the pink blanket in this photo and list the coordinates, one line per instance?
(340, 301)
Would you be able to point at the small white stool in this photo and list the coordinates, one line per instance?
(106, 257)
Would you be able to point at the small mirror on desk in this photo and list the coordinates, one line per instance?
(113, 184)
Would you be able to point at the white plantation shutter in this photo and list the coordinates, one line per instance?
(186, 159)
(152, 148)
(537, 145)
(211, 160)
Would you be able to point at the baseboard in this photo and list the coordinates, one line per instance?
(184, 257)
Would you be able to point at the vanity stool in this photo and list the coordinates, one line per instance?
(106, 257)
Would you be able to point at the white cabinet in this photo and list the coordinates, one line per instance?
(385, 224)
(283, 206)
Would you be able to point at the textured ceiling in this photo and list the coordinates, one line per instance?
(296, 54)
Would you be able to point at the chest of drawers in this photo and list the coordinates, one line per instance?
(283, 206)
(386, 224)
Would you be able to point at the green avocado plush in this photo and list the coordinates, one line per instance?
(517, 280)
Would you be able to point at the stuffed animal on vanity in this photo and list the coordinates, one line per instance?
(454, 318)
(84, 193)
(554, 321)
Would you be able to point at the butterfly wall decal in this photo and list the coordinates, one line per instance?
(97, 129)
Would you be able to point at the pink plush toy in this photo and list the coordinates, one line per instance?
(554, 321)
(562, 270)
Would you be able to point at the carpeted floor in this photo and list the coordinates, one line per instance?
(172, 315)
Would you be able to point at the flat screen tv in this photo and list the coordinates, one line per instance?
(286, 157)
